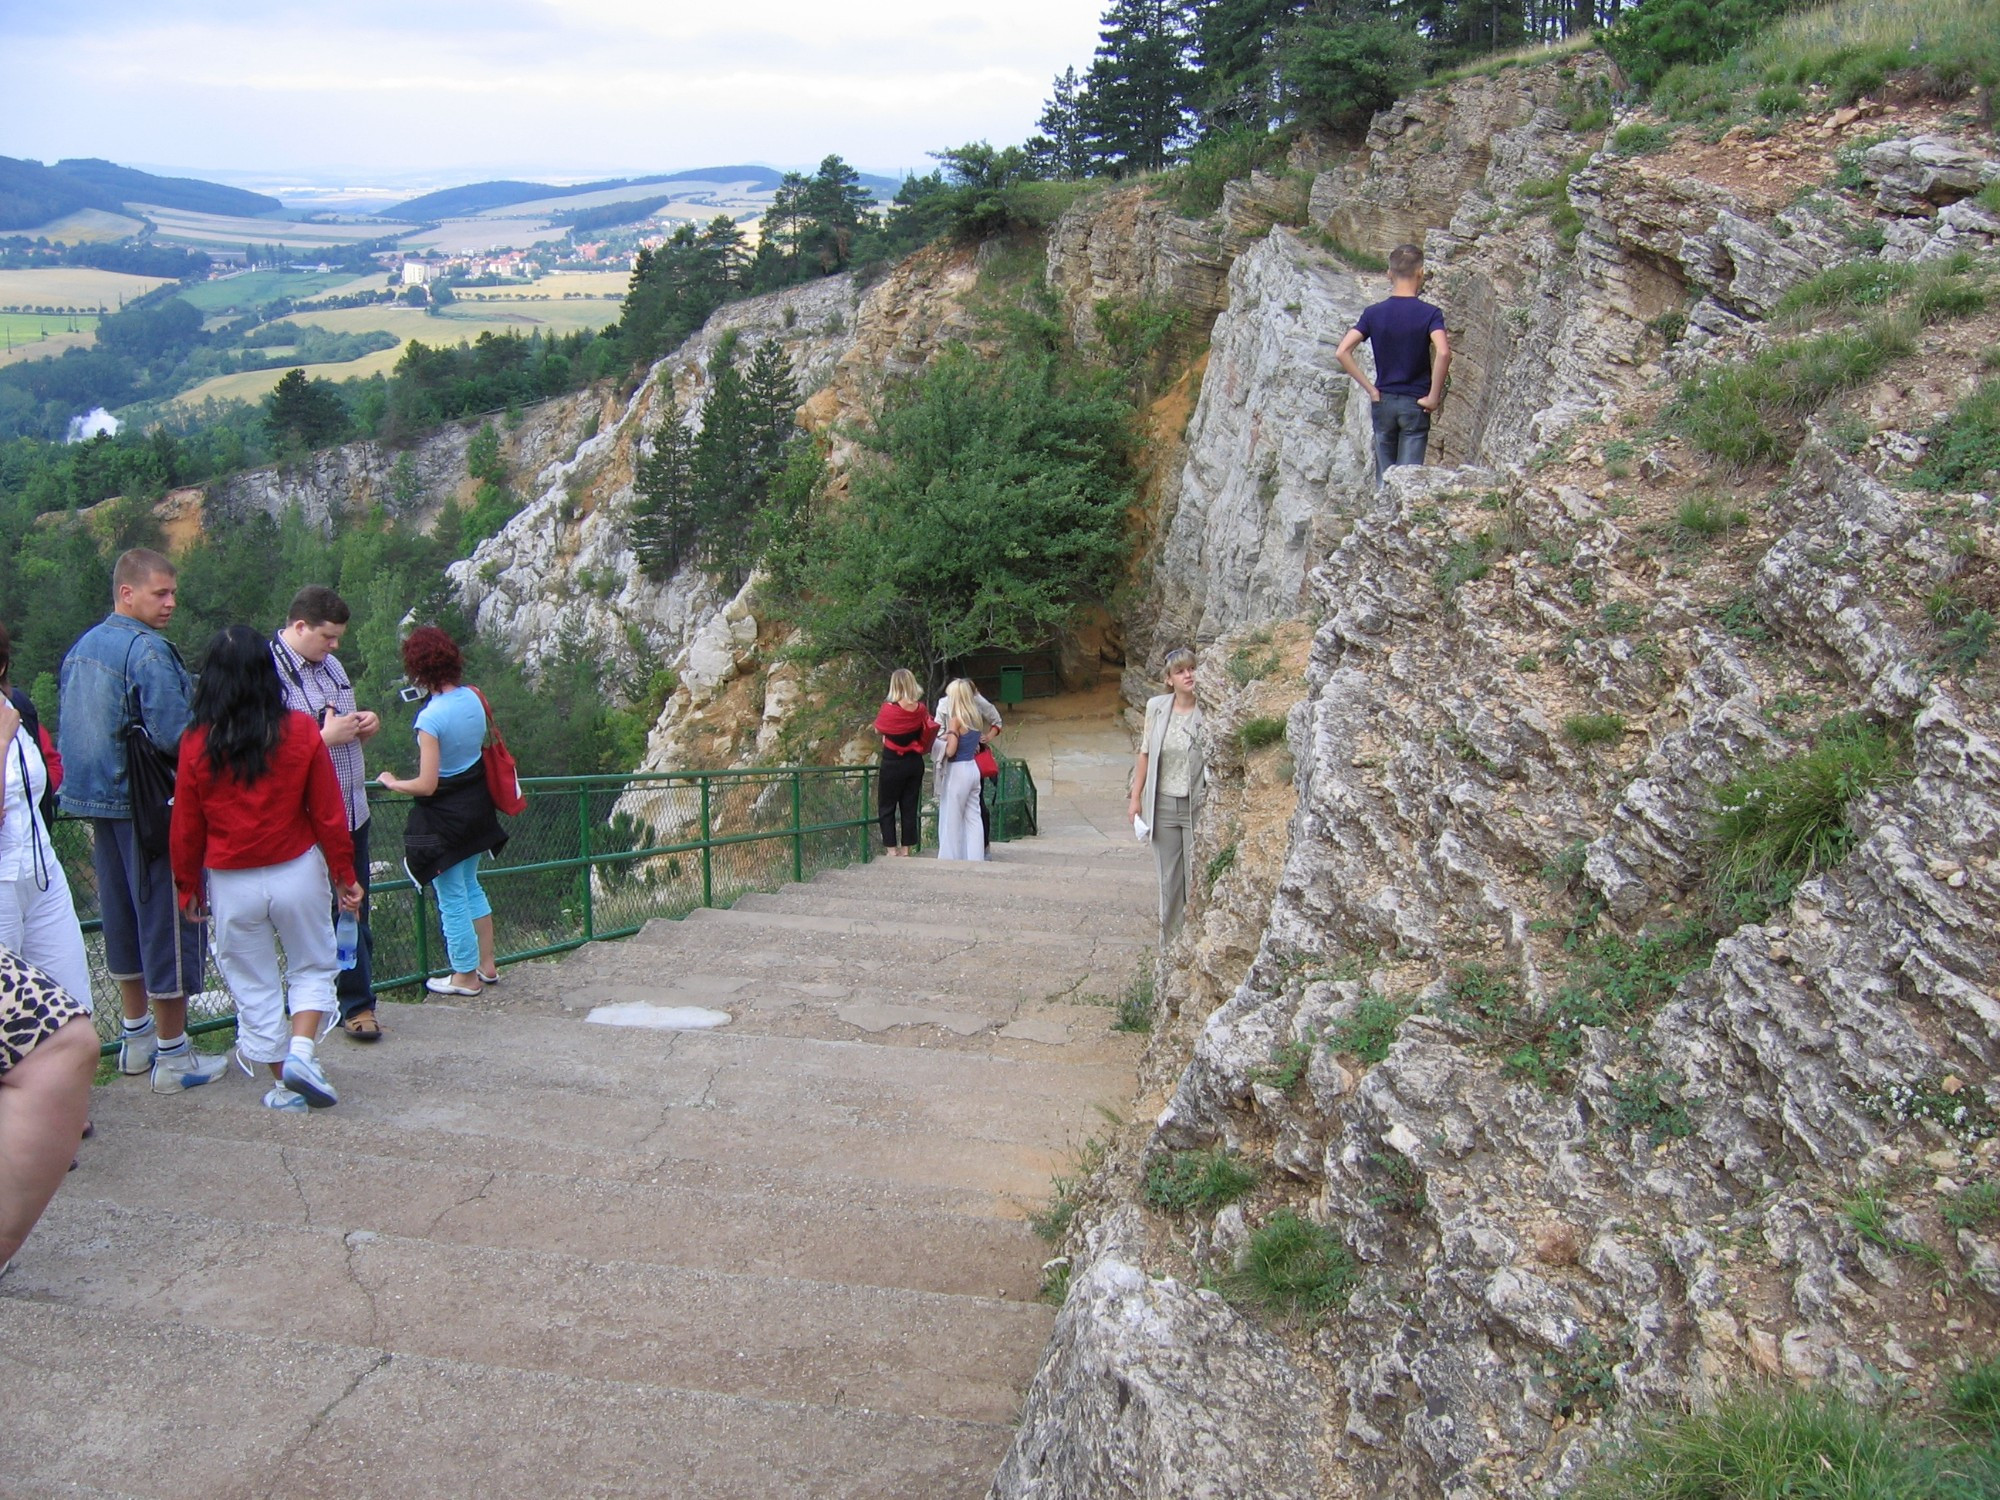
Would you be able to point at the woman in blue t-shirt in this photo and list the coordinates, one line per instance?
(453, 822)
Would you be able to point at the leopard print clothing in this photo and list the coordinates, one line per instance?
(32, 1007)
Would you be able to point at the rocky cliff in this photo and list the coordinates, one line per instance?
(1470, 1009)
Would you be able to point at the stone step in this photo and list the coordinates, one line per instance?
(534, 1083)
(169, 1411)
(1021, 970)
(781, 1229)
(997, 908)
(1083, 850)
(1072, 869)
(754, 920)
(759, 1335)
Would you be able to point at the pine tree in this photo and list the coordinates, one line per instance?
(772, 400)
(1236, 52)
(836, 205)
(664, 519)
(1139, 86)
(1062, 150)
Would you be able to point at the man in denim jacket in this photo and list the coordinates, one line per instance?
(155, 954)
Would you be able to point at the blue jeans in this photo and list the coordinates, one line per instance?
(461, 902)
(1402, 431)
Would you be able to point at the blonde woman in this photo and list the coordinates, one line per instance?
(907, 730)
(959, 835)
(1168, 783)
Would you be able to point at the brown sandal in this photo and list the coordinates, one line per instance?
(363, 1026)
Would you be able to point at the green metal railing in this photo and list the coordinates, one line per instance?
(596, 857)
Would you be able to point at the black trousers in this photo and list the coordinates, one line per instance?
(900, 788)
(355, 987)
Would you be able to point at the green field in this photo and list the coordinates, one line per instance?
(87, 226)
(255, 289)
(72, 286)
(457, 324)
(20, 328)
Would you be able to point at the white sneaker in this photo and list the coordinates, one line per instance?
(283, 1098)
(136, 1049)
(189, 1070)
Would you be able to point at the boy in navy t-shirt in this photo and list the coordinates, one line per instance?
(1412, 354)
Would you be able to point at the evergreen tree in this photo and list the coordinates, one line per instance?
(305, 412)
(1062, 150)
(665, 518)
(1236, 55)
(1139, 86)
(771, 399)
(725, 468)
(836, 206)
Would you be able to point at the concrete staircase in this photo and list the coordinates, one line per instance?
(528, 1255)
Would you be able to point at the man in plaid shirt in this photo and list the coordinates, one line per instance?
(314, 683)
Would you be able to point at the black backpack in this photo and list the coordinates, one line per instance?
(149, 778)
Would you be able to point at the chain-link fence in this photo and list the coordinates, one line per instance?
(595, 857)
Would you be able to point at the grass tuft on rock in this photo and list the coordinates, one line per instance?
(1197, 1182)
(1757, 1445)
(1255, 734)
(1295, 1269)
(1783, 822)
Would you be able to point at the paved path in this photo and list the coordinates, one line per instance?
(528, 1255)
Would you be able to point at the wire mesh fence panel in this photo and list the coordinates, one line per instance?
(590, 857)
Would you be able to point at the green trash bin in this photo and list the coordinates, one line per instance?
(1013, 681)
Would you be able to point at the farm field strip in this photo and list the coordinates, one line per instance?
(73, 286)
(254, 289)
(179, 226)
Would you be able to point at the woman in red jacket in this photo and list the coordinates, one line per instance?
(258, 810)
(907, 730)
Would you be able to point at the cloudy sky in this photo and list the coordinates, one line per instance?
(439, 91)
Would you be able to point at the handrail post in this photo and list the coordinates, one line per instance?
(867, 844)
(798, 827)
(707, 850)
(583, 853)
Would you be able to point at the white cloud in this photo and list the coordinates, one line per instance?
(576, 85)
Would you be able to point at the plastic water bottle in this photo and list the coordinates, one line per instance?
(347, 939)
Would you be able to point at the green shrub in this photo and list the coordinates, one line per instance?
(1135, 1006)
(1781, 823)
(1219, 865)
(1964, 450)
(1780, 99)
(1944, 48)
(1663, 34)
(1339, 68)
(1858, 283)
(1196, 1182)
(1973, 1207)
(1593, 729)
(1219, 159)
(1965, 631)
(1868, 1216)
(1944, 291)
(1709, 515)
(1690, 94)
(1641, 140)
(1296, 1269)
(1973, 1397)
(1255, 734)
(1369, 1030)
(1759, 1445)
(1748, 412)
(1287, 1068)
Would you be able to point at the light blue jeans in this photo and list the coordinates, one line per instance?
(461, 902)
(1402, 431)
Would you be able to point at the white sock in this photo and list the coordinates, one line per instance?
(173, 1047)
(139, 1027)
(305, 1047)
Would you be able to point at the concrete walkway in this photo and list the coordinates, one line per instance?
(533, 1255)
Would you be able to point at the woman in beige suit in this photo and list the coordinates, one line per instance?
(1168, 783)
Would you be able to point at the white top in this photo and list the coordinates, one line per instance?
(22, 828)
(1177, 753)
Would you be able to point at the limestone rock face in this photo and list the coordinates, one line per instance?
(1279, 437)
(562, 575)
(1920, 174)
(356, 477)
(1151, 1389)
(1127, 246)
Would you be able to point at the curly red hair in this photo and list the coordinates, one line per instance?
(432, 659)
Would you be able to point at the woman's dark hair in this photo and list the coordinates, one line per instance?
(431, 658)
(239, 702)
(6, 653)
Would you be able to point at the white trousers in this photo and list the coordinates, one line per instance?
(959, 833)
(256, 910)
(40, 926)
